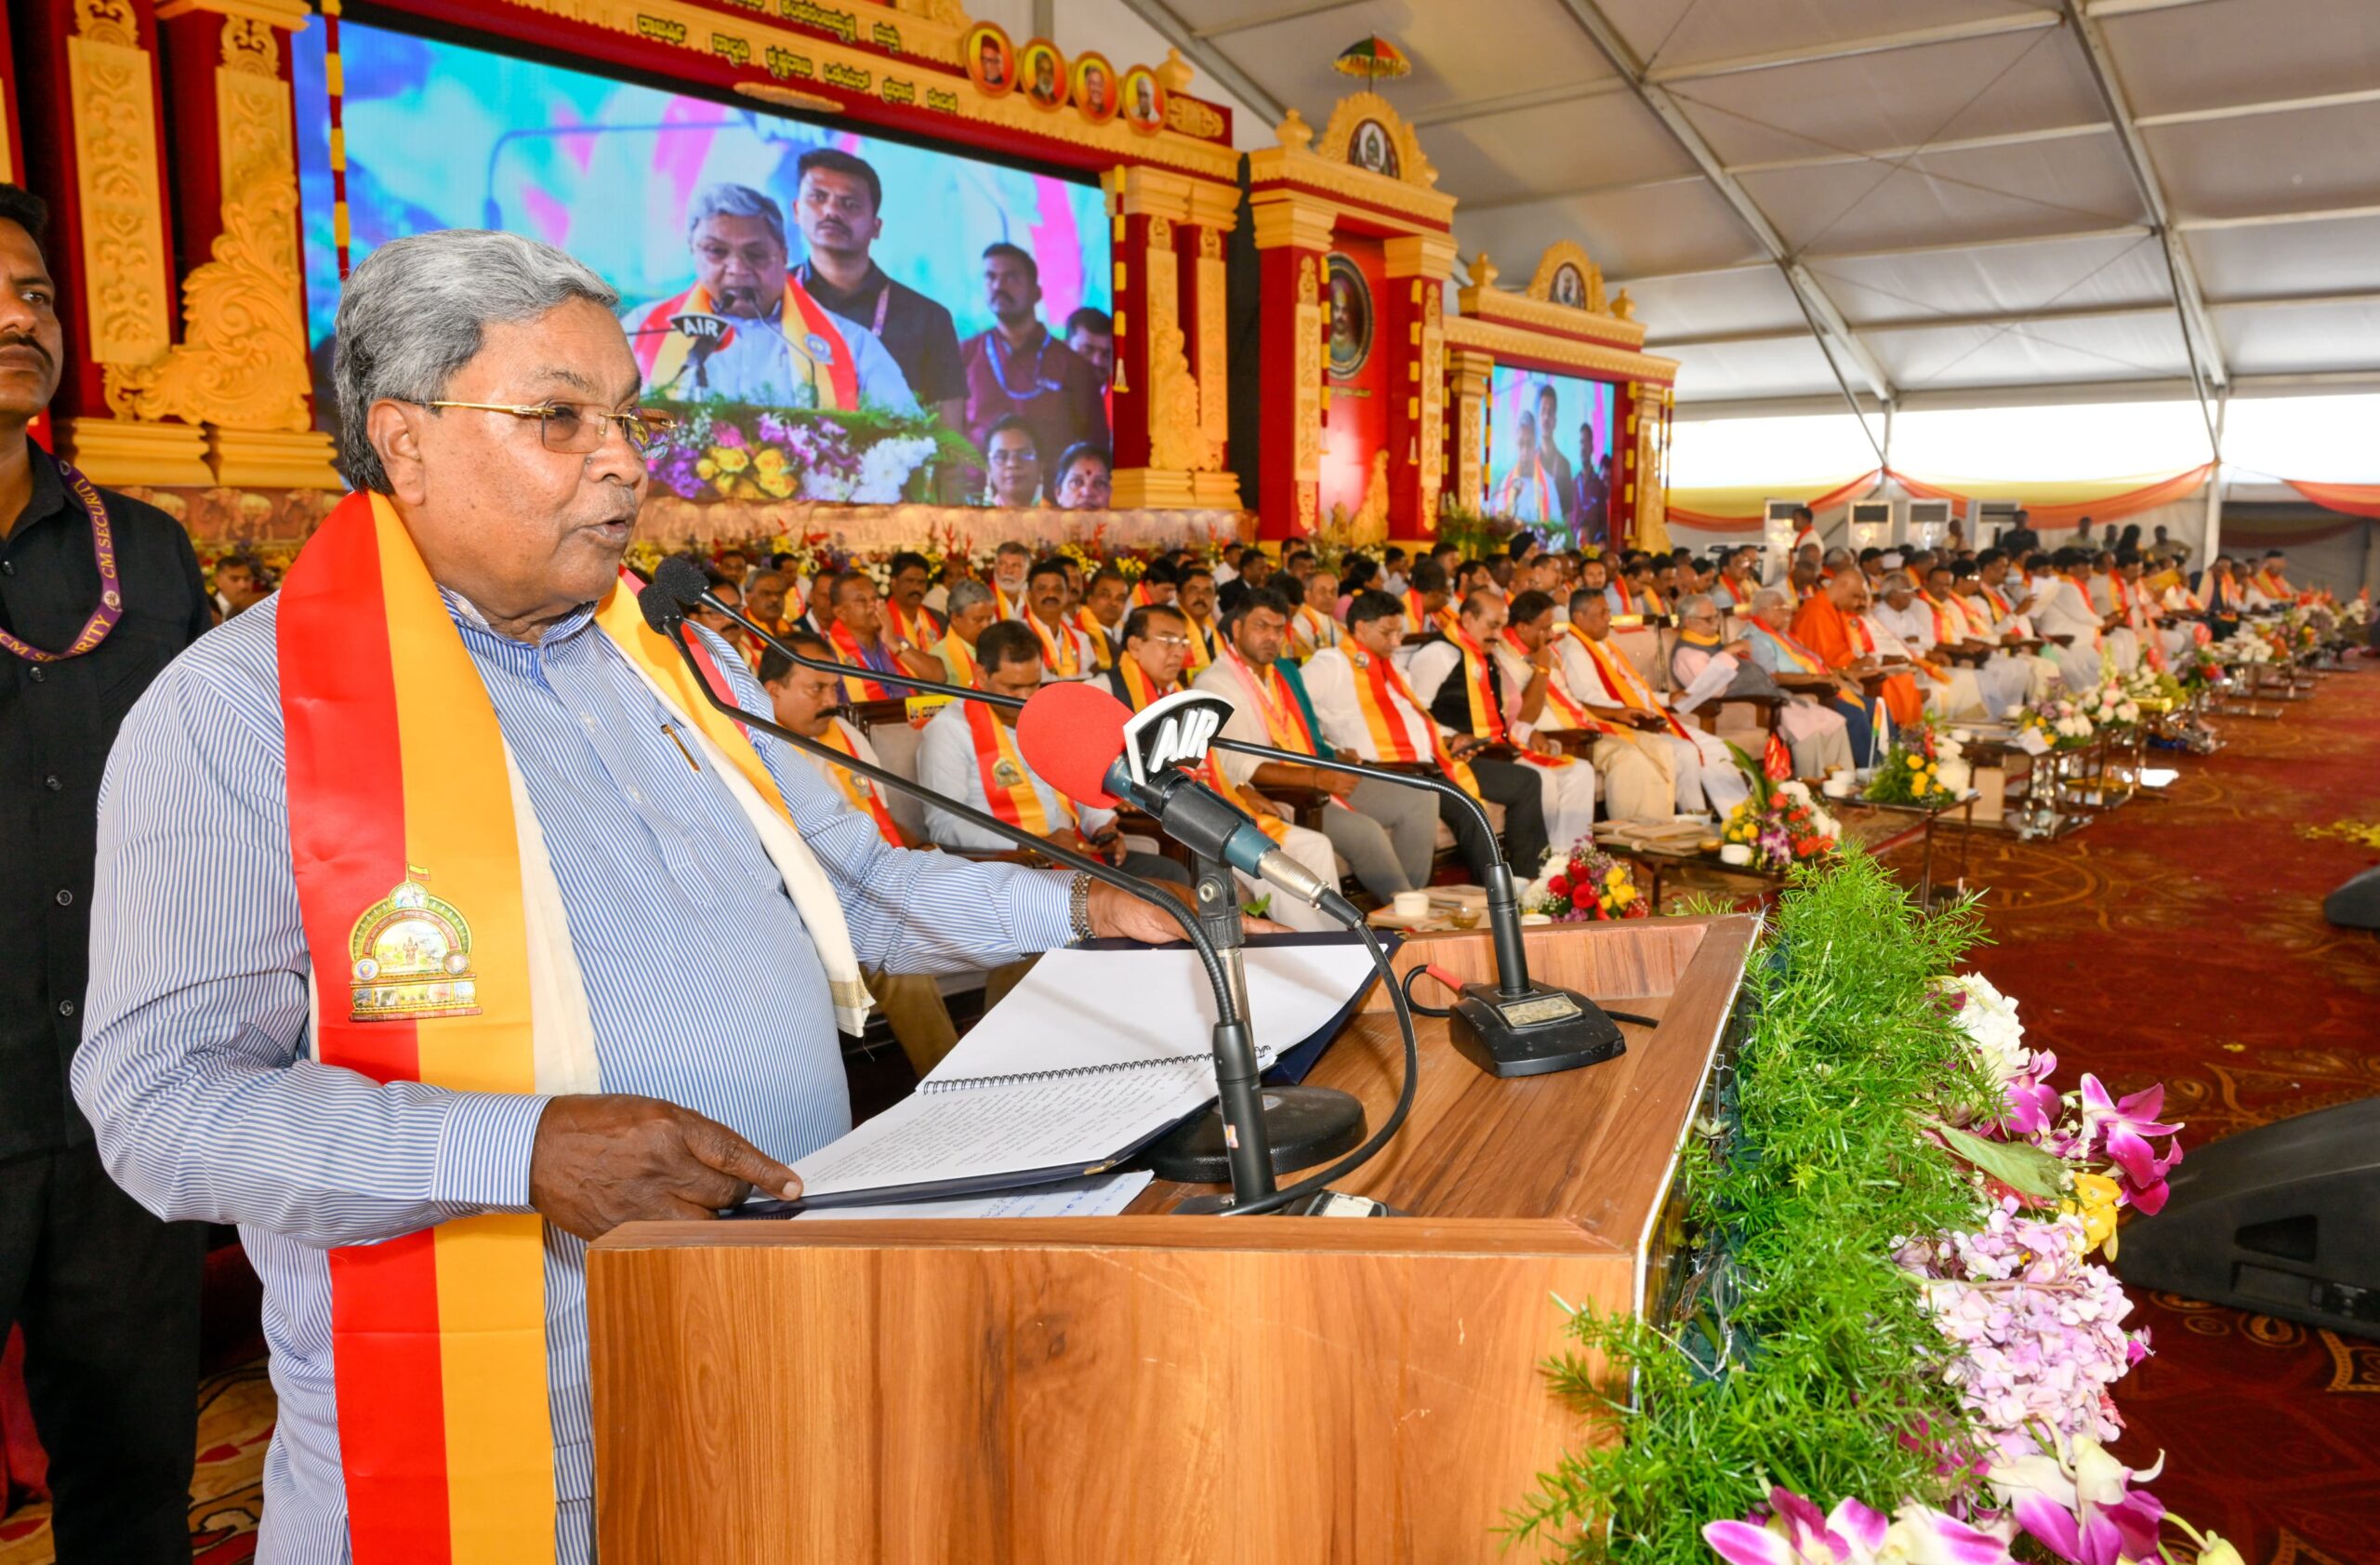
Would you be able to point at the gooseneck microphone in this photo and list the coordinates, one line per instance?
(1075, 734)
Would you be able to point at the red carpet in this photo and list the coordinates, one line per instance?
(2181, 938)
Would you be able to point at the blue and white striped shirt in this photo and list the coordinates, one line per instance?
(704, 987)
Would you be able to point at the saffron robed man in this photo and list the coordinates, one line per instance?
(440, 926)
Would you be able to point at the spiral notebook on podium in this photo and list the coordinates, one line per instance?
(1095, 1054)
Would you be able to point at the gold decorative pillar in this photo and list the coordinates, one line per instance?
(127, 280)
(1162, 440)
(1418, 266)
(1214, 212)
(1470, 371)
(1648, 495)
(242, 369)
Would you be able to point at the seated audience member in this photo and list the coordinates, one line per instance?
(955, 569)
(1066, 652)
(1607, 680)
(861, 637)
(1156, 641)
(818, 618)
(1255, 566)
(1357, 572)
(2005, 633)
(1392, 562)
(1195, 599)
(1777, 649)
(1833, 623)
(972, 611)
(1635, 780)
(2067, 618)
(718, 624)
(1386, 832)
(969, 752)
(1160, 581)
(1105, 599)
(1707, 665)
(1369, 712)
(1313, 623)
(241, 581)
(2103, 590)
(906, 613)
(1738, 580)
(1014, 463)
(1634, 591)
(1297, 563)
(1903, 627)
(805, 702)
(1085, 478)
(765, 601)
(1429, 606)
(1457, 681)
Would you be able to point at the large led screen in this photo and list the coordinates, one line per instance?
(833, 316)
(1550, 452)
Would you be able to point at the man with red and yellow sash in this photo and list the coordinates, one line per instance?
(972, 611)
(748, 331)
(440, 924)
(1148, 664)
(1066, 652)
(1195, 599)
(1428, 602)
(1607, 681)
(969, 752)
(1459, 685)
(905, 613)
(1638, 780)
(862, 638)
(1387, 832)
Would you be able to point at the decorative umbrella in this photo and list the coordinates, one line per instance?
(1371, 59)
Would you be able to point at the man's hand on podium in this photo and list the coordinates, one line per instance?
(1115, 914)
(603, 1159)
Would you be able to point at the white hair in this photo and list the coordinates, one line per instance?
(415, 310)
(1767, 596)
(735, 201)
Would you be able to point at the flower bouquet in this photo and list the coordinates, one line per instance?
(2244, 649)
(1584, 887)
(2109, 707)
(1780, 821)
(1926, 766)
(732, 451)
(2061, 722)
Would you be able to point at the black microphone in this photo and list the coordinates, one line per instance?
(1093, 748)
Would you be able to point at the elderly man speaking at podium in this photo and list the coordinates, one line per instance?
(440, 926)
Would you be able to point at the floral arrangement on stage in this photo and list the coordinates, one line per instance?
(1585, 886)
(2059, 719)
(2154, 689)
(2109, 707)
(2201, 668)
(2245, 648)
(1926, 766)
(734, 451)
(1898, 1348)
(1781, 820)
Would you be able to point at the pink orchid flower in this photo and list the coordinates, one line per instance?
(2079, 1504)
(1795, 1533)
(2033, 1104)
(2120, 1130)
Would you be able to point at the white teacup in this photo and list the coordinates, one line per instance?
(1836, 787)
(1411, 905)
(1735, 852)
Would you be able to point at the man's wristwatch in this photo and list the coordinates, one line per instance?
(1078, 907)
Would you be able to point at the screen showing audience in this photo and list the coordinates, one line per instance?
(1550, 451)
(752, 253)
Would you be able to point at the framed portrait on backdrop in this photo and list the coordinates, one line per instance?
(1042, 70)
(990, 58)
(1351, 318)
(1095, 89)
(1143, 100)
(1373, 150)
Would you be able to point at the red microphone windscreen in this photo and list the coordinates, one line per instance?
(1070, 734)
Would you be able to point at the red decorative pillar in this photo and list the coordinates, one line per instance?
(1169, 417)
(1292, 237)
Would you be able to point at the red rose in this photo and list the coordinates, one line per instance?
(1559, 885)
(1584, 898)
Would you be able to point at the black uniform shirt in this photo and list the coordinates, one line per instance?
(56, 723)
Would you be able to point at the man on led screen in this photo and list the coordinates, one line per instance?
(1017, 368)
(839, 203)
(1527, 493)
(1091, 334)
(1557, 467)
(748, 331)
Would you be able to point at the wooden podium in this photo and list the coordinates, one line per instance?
(1104, 1391)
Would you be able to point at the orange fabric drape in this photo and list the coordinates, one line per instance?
(2049, 513)
(2348, 499)
(1733, 520)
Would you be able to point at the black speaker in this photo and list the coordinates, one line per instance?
(2357, 904)
(2281, 1220)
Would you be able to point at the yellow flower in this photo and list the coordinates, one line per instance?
(731, 458)
(776, 485)
(2095, 1203)
(1622, 896)
(706, 469)
(770, 460)
(1615, 875)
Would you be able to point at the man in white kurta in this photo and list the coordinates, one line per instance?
(1904, 628)
(1604, 678)
(1568, 792)
(1706, 665)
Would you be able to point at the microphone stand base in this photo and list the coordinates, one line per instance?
(1305, 1125)
(1545, 1031)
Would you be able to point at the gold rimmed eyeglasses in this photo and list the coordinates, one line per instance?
(576, 429)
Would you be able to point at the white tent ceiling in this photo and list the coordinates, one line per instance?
(1966, 198)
